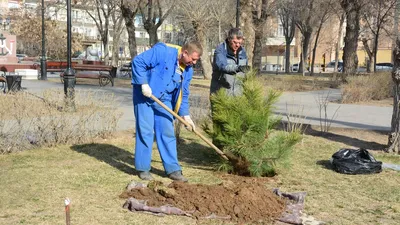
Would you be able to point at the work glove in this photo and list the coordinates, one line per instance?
(243, 69)
(146, 90)
(189, 121)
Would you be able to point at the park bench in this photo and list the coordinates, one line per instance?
(105, 75)
(126, 70)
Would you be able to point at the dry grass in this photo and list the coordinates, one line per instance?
(34, 183)
(291, 83)
(126, 83)
(29, 121)
(93, 176)
(376, 86)
(279, 82)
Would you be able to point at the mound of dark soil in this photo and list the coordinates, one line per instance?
(242, 201)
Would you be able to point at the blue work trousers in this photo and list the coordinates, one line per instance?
(152, 119)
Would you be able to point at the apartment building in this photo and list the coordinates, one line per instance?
(274, 48)
(83, 24)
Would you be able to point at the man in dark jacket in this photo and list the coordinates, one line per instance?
(230, 64)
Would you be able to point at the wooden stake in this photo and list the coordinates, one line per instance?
(67, 213)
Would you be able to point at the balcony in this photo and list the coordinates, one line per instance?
(276, 41)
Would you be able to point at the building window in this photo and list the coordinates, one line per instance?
(167, 37)
(142, 34)
(280, 32)
(88, 32)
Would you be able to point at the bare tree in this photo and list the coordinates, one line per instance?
(246, 24)
(394, 136)
(28, 31)
(196, 14)
(261, 11)
(376, 15)
(395, 26)
(118, 28)
(352, 9)
(305, 11)
(100, 11)
(129, 8)
(323, 14)
(340, 15)
(223, 13)
(286, 16)
(153, 16)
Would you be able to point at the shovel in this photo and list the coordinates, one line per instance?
(221, 153)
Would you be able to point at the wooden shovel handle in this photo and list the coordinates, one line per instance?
(221, 153)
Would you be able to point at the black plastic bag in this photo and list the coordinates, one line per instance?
(353, 161)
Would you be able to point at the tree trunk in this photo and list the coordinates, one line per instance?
(350, 59)
(105, 52)
(341, 22)
(115, 53)
(130, 27)
(315, 48)
(287, 57)
(375, 49)
(395, 26)
(205, 58)
(394, 142)
(246, 24)
(257, 50)
(304, 52)
(129, 17)
(370, 63)
(153, 35)
(219, 32)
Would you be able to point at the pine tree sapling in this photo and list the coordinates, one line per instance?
(244, 126)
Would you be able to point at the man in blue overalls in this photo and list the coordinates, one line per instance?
(165, 72)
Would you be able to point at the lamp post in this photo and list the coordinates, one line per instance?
(237, 13)
(43, 60)
(69, 73)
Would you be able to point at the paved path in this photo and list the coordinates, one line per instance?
(303, 104)
(347, 115)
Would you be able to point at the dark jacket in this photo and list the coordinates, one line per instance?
(225, 69)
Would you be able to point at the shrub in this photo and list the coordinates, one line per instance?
(285, 83)
(29, 121)
(243, 126)
(375, 86)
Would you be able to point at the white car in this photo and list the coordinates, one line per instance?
(384, 67)
(21, 57)
(295, 67)
(330, 67)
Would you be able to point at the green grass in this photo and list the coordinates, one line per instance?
(34, 184)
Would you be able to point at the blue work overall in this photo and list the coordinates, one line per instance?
(158, 67)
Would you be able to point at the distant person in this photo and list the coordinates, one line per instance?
(165, 72)
(230, 64)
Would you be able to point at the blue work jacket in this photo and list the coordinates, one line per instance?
(157, 67)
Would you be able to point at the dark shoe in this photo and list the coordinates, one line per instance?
(145, 175)
(177, 175)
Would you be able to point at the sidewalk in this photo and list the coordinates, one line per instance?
(302, 104)
(305, 104)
